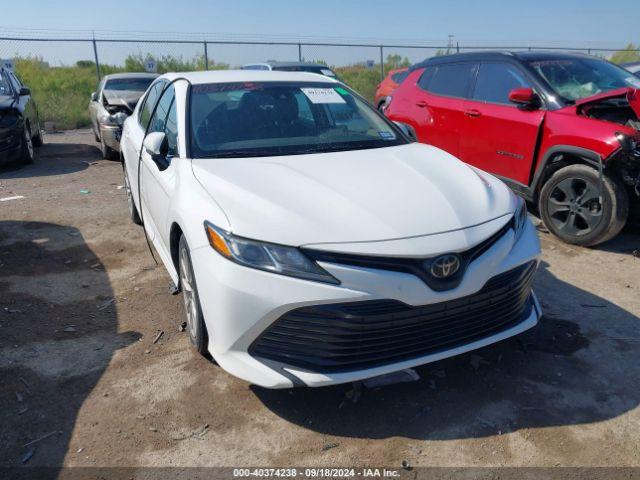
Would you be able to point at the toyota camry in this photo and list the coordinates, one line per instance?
(313, 242)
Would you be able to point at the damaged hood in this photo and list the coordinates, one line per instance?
(128, 98)
(632, 95)
(355, 196)
(6, 101)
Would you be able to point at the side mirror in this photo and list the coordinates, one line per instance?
(407, 130)
(94, 96)
(24, 91)
(156, 145)
(524, 98)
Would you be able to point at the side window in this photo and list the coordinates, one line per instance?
(399, 77)
(452, 80)
(425, 78)
(171, 130)
(165, 119)
(149, 103)
(496, 80)
(17, 84)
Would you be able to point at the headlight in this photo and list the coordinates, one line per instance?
(628, 144)
(266, 256)
(519, 217)
(114, 120)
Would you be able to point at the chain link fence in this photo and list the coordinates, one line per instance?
(62, 72)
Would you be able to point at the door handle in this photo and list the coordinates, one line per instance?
(473, 113)
(421, 104)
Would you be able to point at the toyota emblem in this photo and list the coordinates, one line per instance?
(445, 266)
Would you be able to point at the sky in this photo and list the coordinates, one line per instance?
(577, 23)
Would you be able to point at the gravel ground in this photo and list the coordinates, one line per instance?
(81, 303)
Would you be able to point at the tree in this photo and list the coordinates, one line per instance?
(630, 54)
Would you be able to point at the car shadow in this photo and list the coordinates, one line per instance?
(578, 366)
(58, 333)
(53, 159)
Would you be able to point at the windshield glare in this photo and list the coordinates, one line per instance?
(574, 79)
(128, 84)
(283, 118)
(5, 87)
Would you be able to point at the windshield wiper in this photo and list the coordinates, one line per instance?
(241, 154)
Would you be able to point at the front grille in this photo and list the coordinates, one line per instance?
(358, 335)
(419, 267)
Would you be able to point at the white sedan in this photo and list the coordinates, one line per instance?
(313, 242)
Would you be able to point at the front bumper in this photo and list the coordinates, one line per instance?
(241, 304)
(110, 135)
(10, 144)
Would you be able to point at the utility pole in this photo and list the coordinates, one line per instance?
(450, 44)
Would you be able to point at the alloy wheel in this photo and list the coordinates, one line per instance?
(188, 294)
(575, 206)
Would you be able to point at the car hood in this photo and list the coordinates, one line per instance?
(631, 94)
(356, 196)
(6, 101)
(128, 98)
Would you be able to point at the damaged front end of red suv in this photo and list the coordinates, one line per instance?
(621, 106)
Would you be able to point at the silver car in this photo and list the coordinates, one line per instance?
(112, 103)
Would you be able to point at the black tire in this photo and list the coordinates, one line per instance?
(108, 153)
(194, 319)
(27, 155)
(133, 210)
(570, 206)
(38, 140)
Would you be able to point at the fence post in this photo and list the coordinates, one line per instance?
(381, 63)
(95, 56)
(206, 56)
(299, 52)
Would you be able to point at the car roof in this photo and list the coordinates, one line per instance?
(290, 64)
(119, 76)
(524, 55)
(228, 76)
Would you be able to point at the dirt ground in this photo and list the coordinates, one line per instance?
(81, 303)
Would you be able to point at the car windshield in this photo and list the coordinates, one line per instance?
(5, 87)
(128, 84)
(577, 78)
(283, 118)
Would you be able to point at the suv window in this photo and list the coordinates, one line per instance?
(399, 77)
(496, 80)
(451, 80)
(149, 103)
(165, 120)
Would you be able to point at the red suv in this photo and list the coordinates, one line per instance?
(388, 85)
(560, 129)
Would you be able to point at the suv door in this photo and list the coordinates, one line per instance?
(437, 112)
(498, 136)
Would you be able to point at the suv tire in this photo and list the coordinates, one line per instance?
(571, 209)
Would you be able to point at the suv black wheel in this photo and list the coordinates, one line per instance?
(572, 209)
(38, 140)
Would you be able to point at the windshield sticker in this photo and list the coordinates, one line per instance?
(387, 135)
(341, 91)
(322, 95)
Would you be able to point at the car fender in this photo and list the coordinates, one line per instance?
(189, 208)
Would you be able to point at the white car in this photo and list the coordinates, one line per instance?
(314, 244)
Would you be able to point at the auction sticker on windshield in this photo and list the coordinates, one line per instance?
(322, 95)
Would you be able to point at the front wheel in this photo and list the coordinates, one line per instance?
(193, 313)
(27, 154)
(575, 210)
